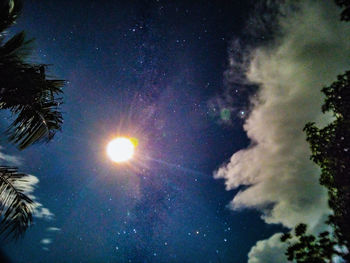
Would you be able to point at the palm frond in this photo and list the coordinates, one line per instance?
(16, 208)
(35, 123)
(27, 92)
(25, 89)
(9, 12)
(15, 49)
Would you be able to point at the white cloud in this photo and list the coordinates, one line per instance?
(42, 212)
(46, 241)
(9, 159)
(270, 250)
(282, 182)
(53, 229)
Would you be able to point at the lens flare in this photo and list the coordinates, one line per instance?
(121, 149)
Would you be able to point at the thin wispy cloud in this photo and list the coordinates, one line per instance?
(310, 50)
(53, 229)
(42, 212)
(9, 159)
(232, 103)
(46, 241)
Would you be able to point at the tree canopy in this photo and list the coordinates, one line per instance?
(330, 147)
(310, 249)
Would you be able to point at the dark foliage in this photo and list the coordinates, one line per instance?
(33, 98)
(15, 207)
(330, 147)
(9, 12)
(26, 90)
(345, 15)
(308, 248)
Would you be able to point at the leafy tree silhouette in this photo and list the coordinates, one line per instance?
(330, 147)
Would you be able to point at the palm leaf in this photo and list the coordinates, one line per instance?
(9, 12)
(35, 123)
(16, 48)
(16, 208)
(29, 94)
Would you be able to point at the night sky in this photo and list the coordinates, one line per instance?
(154, 70)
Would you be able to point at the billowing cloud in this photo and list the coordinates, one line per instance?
(311, 49)
(270, 250)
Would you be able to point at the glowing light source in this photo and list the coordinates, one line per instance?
(121, 149)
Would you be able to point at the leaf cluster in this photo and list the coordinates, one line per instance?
(16, 207)
(9, 12)
(330, 150)
(26, 91)
(330, 147)
(307, 248)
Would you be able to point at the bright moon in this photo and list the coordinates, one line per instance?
(121, 149)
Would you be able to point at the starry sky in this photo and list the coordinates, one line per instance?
(155, 70)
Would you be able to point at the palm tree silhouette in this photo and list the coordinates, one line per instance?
(33, 98)
(25, 90)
